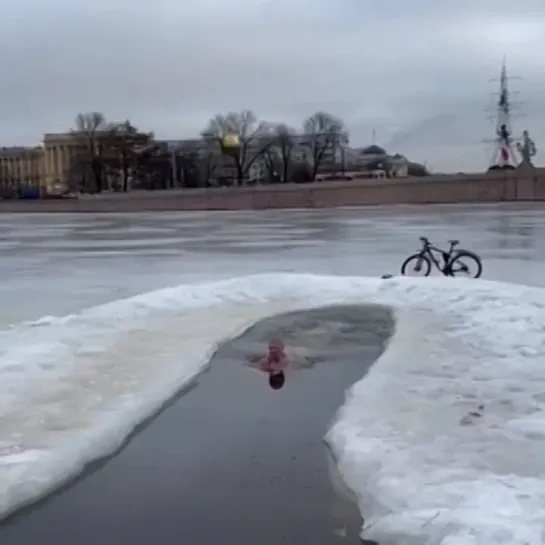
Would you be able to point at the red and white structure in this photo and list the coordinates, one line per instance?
(504, 154)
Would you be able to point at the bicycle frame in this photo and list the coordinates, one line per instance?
(428, 250)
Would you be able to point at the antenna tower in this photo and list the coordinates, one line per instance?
(504, 156)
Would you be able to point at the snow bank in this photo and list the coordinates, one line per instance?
(423, 467)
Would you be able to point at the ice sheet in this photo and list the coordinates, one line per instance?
(422, 467)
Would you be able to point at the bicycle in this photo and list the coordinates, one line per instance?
(450, 263)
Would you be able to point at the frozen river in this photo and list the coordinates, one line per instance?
(57, 264)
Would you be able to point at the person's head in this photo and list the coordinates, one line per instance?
(277, 380)
(276, 348)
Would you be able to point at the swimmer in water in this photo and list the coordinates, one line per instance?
(275, 363)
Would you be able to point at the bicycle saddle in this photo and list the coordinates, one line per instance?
(454, 242)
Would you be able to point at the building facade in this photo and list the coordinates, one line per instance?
(20, 168)
(376, 161)
(60, 149)
(51, 166)
(43, 168)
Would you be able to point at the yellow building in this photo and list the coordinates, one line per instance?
(44, 167)
(21, 167)
(59, 152)
(49, 167)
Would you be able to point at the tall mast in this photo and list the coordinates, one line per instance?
(504, 156)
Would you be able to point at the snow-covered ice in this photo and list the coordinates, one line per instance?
(443, 442)
(417, 469)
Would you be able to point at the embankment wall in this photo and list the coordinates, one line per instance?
(486, 188)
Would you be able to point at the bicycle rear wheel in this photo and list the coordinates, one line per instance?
(416, 265)
(466, 263)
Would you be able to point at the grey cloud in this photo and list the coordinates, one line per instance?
(403, 68)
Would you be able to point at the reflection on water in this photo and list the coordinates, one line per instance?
(515, 233)
(486, 227)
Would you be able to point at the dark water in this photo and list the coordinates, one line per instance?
(231, 461)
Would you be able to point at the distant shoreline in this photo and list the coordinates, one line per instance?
(446, 189)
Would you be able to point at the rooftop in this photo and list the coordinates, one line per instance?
(373, 150)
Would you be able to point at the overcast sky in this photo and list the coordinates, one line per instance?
(417, 71)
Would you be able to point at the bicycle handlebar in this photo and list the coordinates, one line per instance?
(426, 242)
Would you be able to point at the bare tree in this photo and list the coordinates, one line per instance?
(278, 158)
(188, 164)
(208, 164)
(154, 167)
(285, 144)
(324, 131)
(271, 163)
(126, 141)
(79, 177)
(254, 138)
(90, 127)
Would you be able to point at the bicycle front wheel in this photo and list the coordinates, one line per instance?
(466, 263)
(416, 265)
